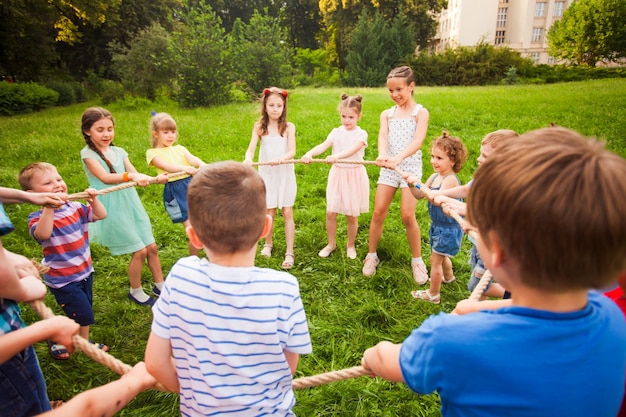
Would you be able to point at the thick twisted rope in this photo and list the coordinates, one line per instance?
(318, 161)
(121, 368)
(82, 195)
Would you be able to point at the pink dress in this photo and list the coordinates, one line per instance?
(348, 189)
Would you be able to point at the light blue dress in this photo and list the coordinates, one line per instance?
(127, 228)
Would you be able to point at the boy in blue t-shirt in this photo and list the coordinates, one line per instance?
(548, 208)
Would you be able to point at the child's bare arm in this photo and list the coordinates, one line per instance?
(159, 362)
(472, 306)
(59, 328)
(11, 195)
(19, 279)
(292, 360)
(108, 399)
(384, 361)
(193, 160)
(460, 191)
(254, 140)
(43, 228)
(166, 166)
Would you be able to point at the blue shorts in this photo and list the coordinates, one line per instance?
(22, 386)
(478, 269)
(445, 240)
(76, 300)
(175, 199)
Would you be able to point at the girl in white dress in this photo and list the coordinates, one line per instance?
(278, 143)
(348, 189)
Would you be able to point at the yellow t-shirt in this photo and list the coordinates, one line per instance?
(172, 154)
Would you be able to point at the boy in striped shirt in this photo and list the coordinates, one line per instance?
(227, 335)
(62, 233)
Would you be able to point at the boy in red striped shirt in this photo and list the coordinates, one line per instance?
(62, 232)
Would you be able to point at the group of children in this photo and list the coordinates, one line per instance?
(227, 335)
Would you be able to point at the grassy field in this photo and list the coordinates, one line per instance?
(347, 312)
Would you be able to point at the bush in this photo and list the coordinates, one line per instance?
(17, 98)
(67, 93)
(111, 91)
(482, 64)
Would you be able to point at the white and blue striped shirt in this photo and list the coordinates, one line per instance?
(228, 328)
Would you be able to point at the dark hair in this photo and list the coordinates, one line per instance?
(402, 72)
(91, 116)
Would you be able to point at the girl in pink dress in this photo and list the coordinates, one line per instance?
(278, 143)
(348, 189)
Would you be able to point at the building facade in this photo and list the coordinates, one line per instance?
(522, 25)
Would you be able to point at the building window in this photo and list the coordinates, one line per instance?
(534, 56)
(558, 8)
(499, 37)
(540, 9)
(536, 35)
(504, 1)
(551, 60)
(502, 17)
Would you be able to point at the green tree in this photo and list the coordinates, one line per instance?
(27, 46)
(375, 47)
(590, 31)
(261, 54)
(339, 17)
(198, 52)
(144, 67)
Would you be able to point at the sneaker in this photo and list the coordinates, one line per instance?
(369, 265)
(420, 273)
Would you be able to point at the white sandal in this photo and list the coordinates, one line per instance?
(425, 295)
(448, 281)
(289, 261)
(267, 250)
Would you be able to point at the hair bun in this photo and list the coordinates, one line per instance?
(358, 98)
(344, 96)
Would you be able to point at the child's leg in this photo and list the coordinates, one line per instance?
(353, 228)
(436, 272)
(193, 251)
(269, 238)
(407, 211)
(154, 263)
(331, 229)
(84, 332)
(448, 274)
(135, 266)
(382, 201)
(290, 229)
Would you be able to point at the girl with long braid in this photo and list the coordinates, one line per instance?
(127, 229)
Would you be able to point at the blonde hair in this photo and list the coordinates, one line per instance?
(161, 121)
(264, 120)
(227, 206)
(498, 137)
(453, 148)
(26, 174)
(351, 102)
(555, 202)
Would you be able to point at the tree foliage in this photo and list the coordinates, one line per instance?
(375, 47)
(340, 17)
(590, 31)
(199, 52)
(260, 52)
(145, 66)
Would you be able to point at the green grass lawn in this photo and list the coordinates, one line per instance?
(347, 312)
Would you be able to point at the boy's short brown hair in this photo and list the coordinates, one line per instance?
(496, 137)
(26, 174)
(555, 201)
(227, 207)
